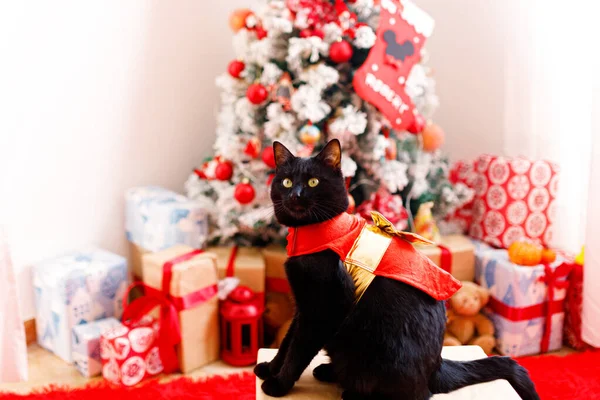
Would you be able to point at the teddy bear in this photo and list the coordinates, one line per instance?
(466, 324)
(279, 310)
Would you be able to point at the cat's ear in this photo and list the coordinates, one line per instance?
(282, 154)
(331, 155)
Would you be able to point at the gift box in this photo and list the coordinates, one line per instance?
(187, 281)
(514, 200)
(526, 303)
(157, 219)
(245, 263)
(74, 289)
(279, 302)
(131, 353)
(86, 345)
(454, 254)
(573, 310)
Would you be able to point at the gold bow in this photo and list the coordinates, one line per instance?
(386, 226)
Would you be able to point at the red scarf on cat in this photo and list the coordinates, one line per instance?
(401, 261)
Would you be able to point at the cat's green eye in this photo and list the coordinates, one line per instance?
(287, 183)
(312, 182)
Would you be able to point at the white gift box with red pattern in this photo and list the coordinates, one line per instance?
(515, 199)
(131, 354)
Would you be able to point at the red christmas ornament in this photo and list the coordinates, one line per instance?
(318, 33)
(268, 157)
(241, 326)
(351, 204)
(340, 52)
(260, 33)
(235, 68)
(417, 125)
(199, 173)
(381, 79)
(252, 147)
(257, 93)
(244, 193)
(305, 33)
(224, 171)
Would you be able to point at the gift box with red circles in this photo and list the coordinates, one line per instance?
(130, 353)
(515, 199)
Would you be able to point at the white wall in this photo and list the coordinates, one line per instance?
(467, 52)
(104, 96)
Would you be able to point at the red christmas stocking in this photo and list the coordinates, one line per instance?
(403, 28)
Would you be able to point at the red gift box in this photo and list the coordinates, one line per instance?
(573, 309)
(514, 200)
(130, 353)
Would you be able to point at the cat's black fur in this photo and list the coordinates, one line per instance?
(389, 345)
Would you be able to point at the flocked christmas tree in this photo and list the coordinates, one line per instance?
(308, 71)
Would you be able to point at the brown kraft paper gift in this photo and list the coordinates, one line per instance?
(455, 254)
(200, 324)
(248, 266)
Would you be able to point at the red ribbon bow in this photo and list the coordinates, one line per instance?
(550, 278)
(169, 334)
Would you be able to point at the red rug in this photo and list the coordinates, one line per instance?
(572, 377)
(233, 387)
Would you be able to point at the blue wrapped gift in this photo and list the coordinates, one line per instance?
(157, 218)
(74, 289)
(526, 303)
(86, 345)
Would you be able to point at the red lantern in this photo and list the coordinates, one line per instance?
(241, 327)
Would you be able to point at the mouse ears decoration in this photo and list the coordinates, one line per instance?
(403, 28)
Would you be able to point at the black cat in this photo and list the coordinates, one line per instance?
(388, 344)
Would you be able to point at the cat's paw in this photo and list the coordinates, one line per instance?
(275, 387)
(324, 373)
(263, 370)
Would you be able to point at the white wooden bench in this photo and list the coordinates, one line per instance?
(308, 388)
